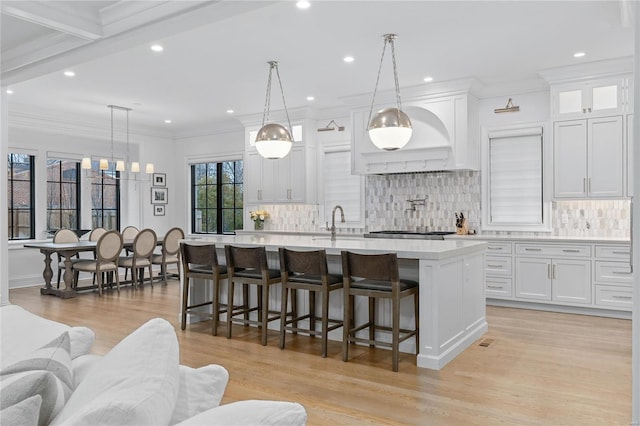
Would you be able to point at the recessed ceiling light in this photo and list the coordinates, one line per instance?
(311, 98)
(167, 121)
(157, 48)
(230, 111)
(428, 79)
(579, 54)
(348, 59)
(9, 92)
(303, 4)
(69, 73)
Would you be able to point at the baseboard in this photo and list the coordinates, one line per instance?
(597, 312)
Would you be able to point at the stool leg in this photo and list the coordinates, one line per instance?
(395, 339)
(416, 307)
(325, 320)
(185, 298)
(346, 328)
(215, 307)
(283, 315)
(245, 299)
(294, 309)
(265, 312)
(230, 307)
(312, 311)
(372, 320)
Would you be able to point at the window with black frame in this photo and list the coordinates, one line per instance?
(21, 196)
(63, 194)
(105, 197)
(216, 197)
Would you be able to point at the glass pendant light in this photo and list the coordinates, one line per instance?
(390, 129)
(273, 140)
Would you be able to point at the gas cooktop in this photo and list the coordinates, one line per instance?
(433, 235)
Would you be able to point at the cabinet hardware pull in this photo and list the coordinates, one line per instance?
(494, 266)
(553, 272)
(584, 110)
(494, 248)
(532, 249)
(621, 272)
(571, 251)
(584, 185)
(549, 271)
(494, 286)
(589, 109)
(589, 185)
(620, 297)
(621, 252)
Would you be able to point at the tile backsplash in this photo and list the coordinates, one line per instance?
(386, 207)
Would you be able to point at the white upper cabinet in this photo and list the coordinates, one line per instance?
(589, 158)
(592, 98)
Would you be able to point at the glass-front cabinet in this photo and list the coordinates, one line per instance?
(591, 98)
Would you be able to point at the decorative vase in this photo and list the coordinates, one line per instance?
(258, 224)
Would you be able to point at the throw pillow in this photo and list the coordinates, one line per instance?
(252, 413)
(46, 372)
(24, 413)
(135, 383)
(199, 390)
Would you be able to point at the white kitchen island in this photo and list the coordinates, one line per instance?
(450, 273)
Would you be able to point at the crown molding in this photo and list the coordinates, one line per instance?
(588, 70)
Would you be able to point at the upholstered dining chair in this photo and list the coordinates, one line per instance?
(169, 253)
(248, 265)
(307, 270)
(200, 261)
(376, 276)
(143, 245)
(128, 234)
(108, 250)
(95, 235)
(65, 236)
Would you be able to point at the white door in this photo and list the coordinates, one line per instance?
(533, 278)
(571, 280)
(570, 159)
(605, 157)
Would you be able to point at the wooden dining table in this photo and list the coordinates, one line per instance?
(66, 251)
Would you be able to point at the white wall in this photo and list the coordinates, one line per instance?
(4, 254)
(635, 238)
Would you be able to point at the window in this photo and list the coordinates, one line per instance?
(105, 197)
(21, 196)
(216, 197)
(513, 183)
(63, 194)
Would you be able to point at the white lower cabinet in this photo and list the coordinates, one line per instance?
(559, 280)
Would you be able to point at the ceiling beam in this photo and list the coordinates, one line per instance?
(54, 15)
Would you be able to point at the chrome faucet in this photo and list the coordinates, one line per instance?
(333, 221)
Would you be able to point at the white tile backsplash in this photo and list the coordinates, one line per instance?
(387, 208)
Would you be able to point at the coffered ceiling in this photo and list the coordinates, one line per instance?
(215, 52)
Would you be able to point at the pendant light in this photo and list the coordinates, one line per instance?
(390, 129)
(273, 140)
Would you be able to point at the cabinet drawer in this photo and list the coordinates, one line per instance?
(554, 250)
(613, 252)
(498, 248)
(499, 287)
(497, 265)
(619, 297)
(613, 272)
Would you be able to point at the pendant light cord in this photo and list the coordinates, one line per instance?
(387, 38)
(267, 100)
(111, 107)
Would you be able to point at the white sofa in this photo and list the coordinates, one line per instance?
(48, 377)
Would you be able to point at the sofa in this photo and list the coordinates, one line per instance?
(48, 377)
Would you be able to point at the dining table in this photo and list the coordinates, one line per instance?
(67, 251)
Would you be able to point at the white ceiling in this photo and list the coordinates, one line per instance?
(215, 52)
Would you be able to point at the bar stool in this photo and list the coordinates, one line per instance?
(376, 276)
(248, 265)
(201, 261)
(307, 270)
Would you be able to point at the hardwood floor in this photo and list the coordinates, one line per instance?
(541, 368)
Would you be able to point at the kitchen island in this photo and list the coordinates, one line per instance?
(450, 273)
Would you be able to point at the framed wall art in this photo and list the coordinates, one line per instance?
(159, 195)
(158, 209)
(159, 179)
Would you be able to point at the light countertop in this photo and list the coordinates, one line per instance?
(540, 239)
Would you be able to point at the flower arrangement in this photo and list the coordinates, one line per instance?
(258, 217)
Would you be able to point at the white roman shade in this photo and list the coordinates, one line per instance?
(341, 187)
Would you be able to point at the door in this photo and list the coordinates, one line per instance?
(570, 159)
(605, 157)
(571, 280)
(533, 278)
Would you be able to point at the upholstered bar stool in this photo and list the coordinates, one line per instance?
(307, 270)
(201, 261)
(248, 265)
(376, 276)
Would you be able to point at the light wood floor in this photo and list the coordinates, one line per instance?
(541, 369)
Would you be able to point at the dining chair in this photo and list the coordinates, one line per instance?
(65, 236)
(200, 261)
(95, 235)
(108, 250)
(143, 245)
(376, 276)
(170, 250)
(307, 270)
(248, 265)
(128, 234)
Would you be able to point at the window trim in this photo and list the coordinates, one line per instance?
(546, 225)
(59, 182)
(32, 198)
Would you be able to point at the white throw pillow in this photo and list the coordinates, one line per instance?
(136, 383)
(46, 372)
(81, 367)
(252, 413)
(24, 413)
(23, 332)
(200, 389)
